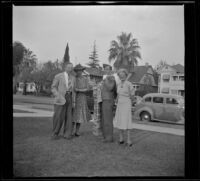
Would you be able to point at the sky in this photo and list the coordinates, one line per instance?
(46, 30)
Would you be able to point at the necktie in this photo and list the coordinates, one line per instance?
(69, 83)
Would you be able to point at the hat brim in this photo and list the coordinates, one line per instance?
(79, 69)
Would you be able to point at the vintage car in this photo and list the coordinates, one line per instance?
(160, 107)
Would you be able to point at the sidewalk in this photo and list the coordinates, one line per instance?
(42, 113)
(34, 112)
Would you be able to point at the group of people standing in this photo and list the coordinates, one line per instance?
(112, 104)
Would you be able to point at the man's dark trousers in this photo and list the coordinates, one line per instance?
(63, 117)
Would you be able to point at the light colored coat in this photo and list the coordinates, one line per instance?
(59, 88)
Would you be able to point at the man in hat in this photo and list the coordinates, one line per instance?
(63, 90)
(108, 95)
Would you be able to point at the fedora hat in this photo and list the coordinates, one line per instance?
(79, 67)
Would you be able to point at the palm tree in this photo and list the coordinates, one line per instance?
(124, 52)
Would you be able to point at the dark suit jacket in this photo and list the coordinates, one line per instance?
(109, 88)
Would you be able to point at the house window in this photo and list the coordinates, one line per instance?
(171, 101)
(181, 92)
(174, 92)
(166, 78)
(181, 78)
(175, 78)
(158, 100)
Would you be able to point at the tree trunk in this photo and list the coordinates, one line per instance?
(25, 87)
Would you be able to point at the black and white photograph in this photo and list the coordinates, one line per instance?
(98, 91)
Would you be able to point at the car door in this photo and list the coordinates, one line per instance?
(158, 107)
(172, 110)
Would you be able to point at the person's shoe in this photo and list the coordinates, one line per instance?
(129, 144)
(76, 134)
(121, 142)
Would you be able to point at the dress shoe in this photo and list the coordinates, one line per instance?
(121, 142)
(129, 144)
(76, 134)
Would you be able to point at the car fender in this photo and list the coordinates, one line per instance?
(147, 109)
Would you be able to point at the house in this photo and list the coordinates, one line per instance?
(144, 79)
(171, 80)
(94, 75)
(30, 87)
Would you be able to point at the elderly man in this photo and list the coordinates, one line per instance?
(108, 95)
(63, 90)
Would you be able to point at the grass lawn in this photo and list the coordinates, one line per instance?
(35, 154)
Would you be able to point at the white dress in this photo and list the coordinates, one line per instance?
(123, 116)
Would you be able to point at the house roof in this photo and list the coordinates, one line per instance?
(138, 73)
(94, 71)
(179, 68)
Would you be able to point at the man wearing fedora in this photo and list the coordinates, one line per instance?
(63, 90)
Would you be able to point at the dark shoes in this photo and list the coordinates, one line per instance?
(76, 135)
(121, 142)
(127, 144)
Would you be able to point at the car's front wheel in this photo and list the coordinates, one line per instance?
(145, 116)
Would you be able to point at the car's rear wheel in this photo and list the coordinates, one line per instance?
(145, 116)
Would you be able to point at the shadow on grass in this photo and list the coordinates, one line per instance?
(35, 154)
(20, 111)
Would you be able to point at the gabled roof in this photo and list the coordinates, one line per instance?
(138, 73)
(94, 71)
(179, 68)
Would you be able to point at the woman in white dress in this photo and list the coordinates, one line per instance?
(123, 116)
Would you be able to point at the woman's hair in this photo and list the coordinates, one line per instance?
(122, 70)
